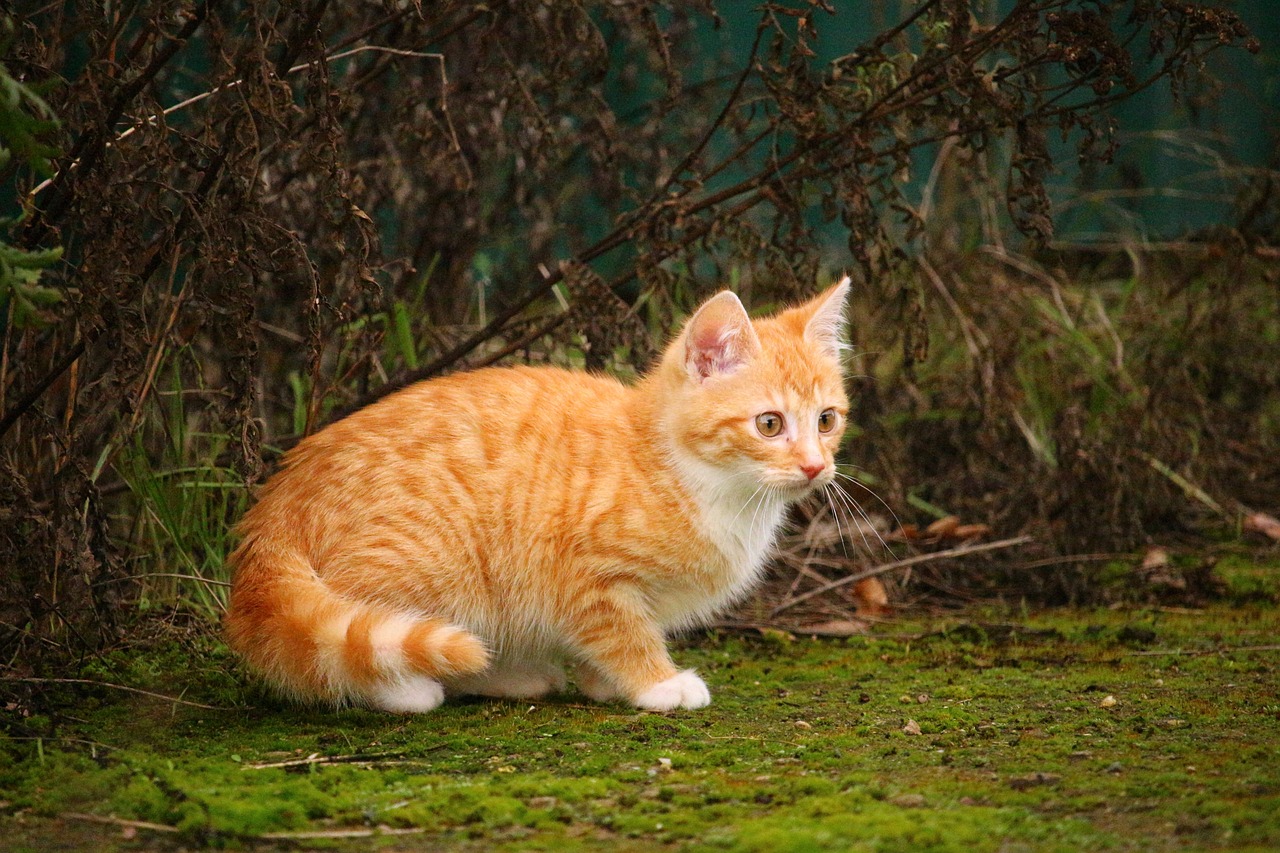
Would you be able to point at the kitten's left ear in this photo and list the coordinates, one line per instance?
(827, 324)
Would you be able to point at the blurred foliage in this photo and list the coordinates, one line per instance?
(25, 120)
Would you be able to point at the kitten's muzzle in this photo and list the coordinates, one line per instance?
(813, 469)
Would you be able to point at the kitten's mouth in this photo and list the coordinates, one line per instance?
(803, 487)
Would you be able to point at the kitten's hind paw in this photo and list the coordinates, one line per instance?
(414, 695)
(682, 690)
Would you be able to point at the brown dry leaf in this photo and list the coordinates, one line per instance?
(965, 532)
(871, 597)
(943, 528)
(835, 628)
(905, 533)
(1260, 522)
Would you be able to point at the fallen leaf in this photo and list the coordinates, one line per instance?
(905, 533)
(971, 531)
(871, 596)
(1260, 522)
(943, 528)
(835, 628)
(946, 529)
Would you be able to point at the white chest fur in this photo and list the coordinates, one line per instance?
(743, 527)
(742, 524)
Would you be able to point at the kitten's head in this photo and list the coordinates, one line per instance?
(759, 403)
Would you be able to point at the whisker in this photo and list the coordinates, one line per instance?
(869, 491)
(850, 502)
(756, 514)
(852, 508)
(759, 488)
(835, 514)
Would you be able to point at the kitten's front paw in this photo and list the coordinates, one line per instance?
(682, 690)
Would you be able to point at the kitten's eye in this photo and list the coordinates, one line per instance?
(827, 420)
(769, 424)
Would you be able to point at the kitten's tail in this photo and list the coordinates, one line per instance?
(316, 645)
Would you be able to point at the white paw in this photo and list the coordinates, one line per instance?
(413, 695)
(682, 690)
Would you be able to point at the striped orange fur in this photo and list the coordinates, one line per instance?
(481, 532)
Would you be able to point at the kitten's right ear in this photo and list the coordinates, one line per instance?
(719, 338)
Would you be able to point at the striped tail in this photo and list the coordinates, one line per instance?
(313, 644)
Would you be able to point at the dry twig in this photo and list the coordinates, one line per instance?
(962, 551)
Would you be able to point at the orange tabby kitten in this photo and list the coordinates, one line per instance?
(478, 533)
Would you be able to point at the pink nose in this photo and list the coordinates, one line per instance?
(813, 469)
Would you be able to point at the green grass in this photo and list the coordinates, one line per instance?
(804, 748)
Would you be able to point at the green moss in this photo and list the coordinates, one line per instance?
(807, 747)
(1247, 579)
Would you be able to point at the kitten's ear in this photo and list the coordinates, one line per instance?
(719, 338)
(827, 324)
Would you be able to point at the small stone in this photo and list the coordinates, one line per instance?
(908, 801)
(905, 699)
(911, 728)
(801, 724)
(922, 699)
(1115, 767)
(1109, 702)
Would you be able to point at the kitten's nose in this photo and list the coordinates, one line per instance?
(813, 467)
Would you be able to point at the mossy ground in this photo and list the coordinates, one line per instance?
(806, 747)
